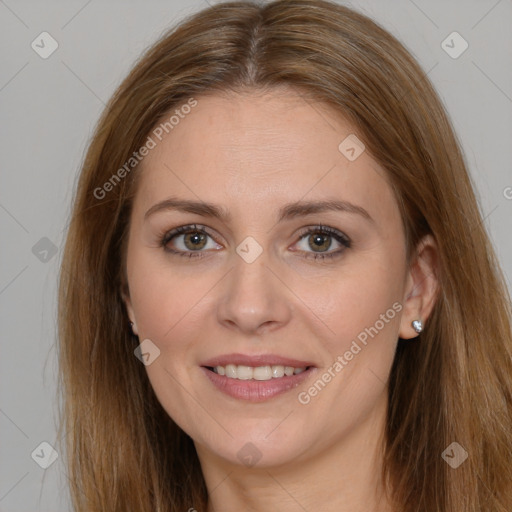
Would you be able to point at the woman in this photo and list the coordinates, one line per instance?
(277, 290)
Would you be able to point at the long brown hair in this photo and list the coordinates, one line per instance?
(454, 385)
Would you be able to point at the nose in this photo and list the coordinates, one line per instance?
(253, 298)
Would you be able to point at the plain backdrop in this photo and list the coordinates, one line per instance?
(48, 108)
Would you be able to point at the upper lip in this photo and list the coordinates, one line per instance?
(256, 360)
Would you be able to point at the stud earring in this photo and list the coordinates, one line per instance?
(417, 325)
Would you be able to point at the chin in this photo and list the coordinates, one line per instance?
(258, 449)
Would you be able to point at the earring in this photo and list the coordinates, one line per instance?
(417, 325)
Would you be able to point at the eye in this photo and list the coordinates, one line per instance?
(190, 239)
(320, 237)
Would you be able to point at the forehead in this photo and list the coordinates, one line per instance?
(258, 148)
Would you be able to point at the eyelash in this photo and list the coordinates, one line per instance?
(193, 228)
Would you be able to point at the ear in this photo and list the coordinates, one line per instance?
(421, 288)
(125, 295)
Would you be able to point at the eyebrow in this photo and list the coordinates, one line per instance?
(287, 212)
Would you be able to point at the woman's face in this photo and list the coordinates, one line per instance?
(292, 252)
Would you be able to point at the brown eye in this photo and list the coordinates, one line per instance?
(319, 239)
(194, 240)
(188, 241)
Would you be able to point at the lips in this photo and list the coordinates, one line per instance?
(255, 390)
(255, 361)
(261, 387)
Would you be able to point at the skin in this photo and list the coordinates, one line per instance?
(251, 153)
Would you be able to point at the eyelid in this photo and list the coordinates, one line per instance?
(327, 230)
(168, 235)
(339, 236)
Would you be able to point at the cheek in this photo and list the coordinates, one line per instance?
(359, 293)
(156, 308)
(169, 309)
(362, 312)
(163, 297)
(360, 306)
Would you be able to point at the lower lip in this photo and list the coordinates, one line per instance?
(256, 390)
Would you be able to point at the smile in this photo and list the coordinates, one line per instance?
(256, 384)
(242, 372)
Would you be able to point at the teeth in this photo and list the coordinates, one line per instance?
(243, 372)
(262, 373)
(277, 371)
(288, 371)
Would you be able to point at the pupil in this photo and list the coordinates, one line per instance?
(195, 238)
(319, 241)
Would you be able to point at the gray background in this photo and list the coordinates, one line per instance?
(48, 108)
